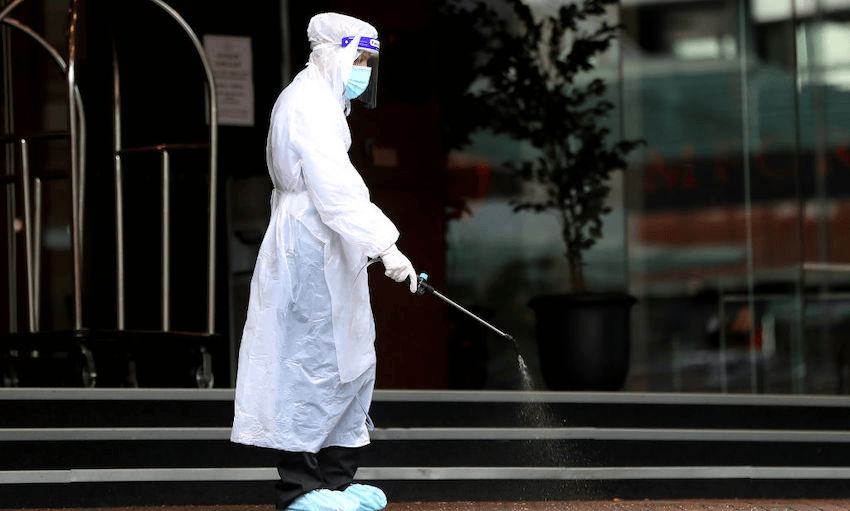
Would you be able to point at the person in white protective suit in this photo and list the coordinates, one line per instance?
(307, 360)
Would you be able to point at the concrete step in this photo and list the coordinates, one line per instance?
(163, 446)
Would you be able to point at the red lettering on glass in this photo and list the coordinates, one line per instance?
(843, 155)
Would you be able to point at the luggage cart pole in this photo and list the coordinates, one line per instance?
(74, 129)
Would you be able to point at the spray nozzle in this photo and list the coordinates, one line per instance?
(422, 284)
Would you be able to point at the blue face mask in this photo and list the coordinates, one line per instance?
(358, 81)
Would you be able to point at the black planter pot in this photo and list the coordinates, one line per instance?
(583, 340)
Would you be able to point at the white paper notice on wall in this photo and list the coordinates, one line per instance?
(230, 59)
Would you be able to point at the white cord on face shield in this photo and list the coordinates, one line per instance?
(320, 46)
(370, 262)
(354, 285)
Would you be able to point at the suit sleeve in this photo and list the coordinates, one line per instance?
(334, 185)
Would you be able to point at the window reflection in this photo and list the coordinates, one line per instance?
(728, 226)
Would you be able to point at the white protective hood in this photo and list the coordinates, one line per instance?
(325, 33)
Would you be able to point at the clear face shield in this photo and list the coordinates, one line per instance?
(364, 76)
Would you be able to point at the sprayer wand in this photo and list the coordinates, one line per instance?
(423, 286)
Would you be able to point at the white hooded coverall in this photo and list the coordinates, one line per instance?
(307, 359)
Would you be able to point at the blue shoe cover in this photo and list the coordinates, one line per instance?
(324, 500)
(370, 498)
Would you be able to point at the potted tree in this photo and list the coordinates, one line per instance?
(533, 85)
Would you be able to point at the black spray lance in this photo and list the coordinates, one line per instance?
(423, 286)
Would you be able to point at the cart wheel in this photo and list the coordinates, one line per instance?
(131, 379)
(88, 372)
(10, 376)
(204, 377)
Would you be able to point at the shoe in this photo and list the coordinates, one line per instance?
(369, 497)
(325, 500)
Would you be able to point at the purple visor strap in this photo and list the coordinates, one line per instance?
(366, 43)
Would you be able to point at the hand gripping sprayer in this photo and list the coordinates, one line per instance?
(422, 286)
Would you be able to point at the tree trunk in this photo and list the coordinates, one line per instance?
(576, 272)
(573, 250)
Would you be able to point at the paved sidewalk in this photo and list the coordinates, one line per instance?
(632, 505)
(593, 505)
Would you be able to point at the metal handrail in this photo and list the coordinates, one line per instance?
(75, 192)
(77, 135)
(212, 99)
(78, 104)
(33, 225)
(164, 149)
(45, 135)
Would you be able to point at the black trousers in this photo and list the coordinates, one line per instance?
(331, 468)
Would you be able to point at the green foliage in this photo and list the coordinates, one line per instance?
(527, 77)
